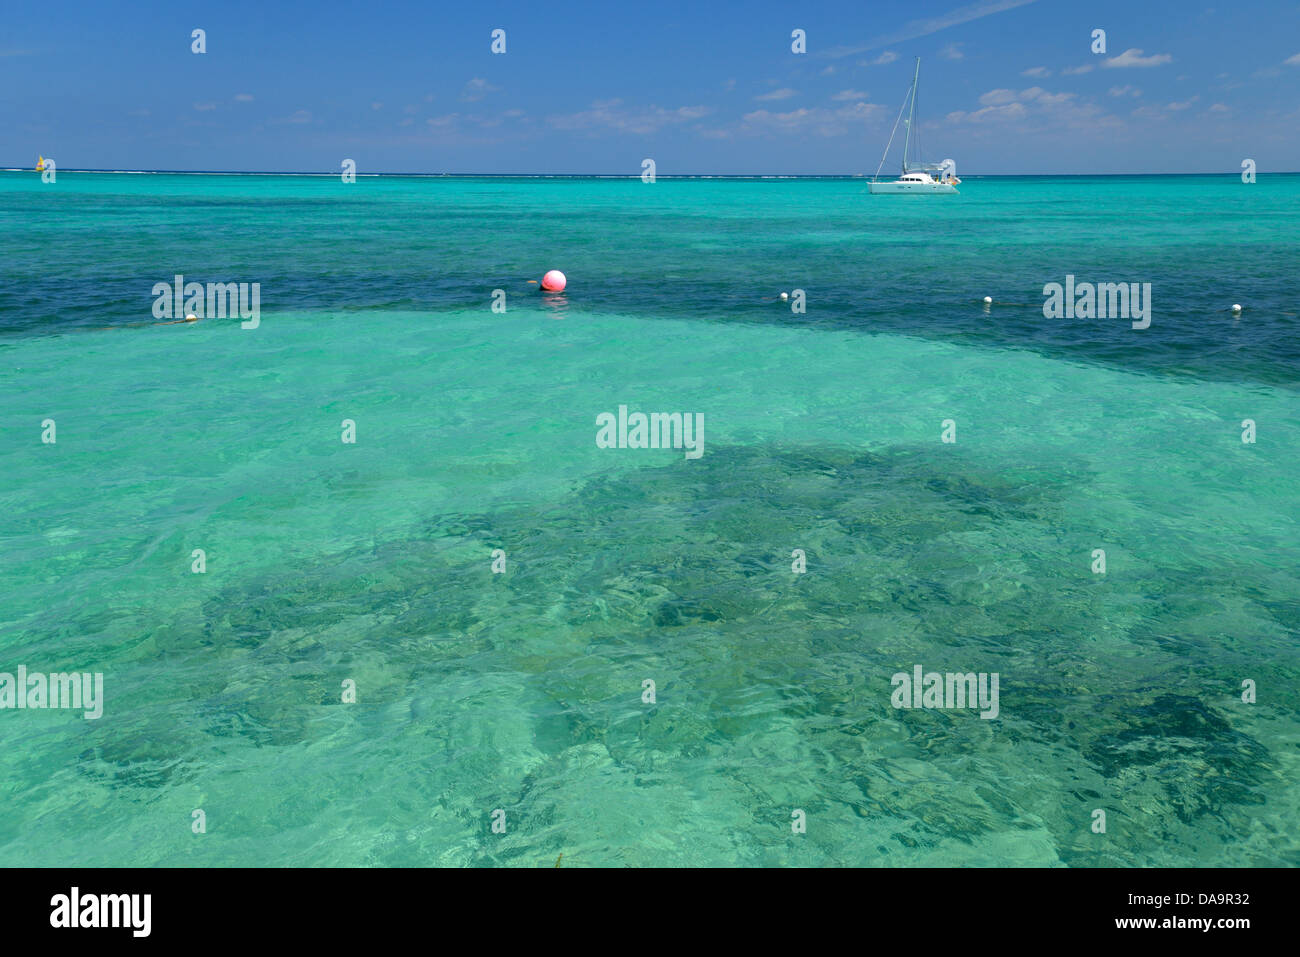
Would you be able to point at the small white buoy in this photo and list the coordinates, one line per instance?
(191, 318)
(1236, 307)
(988, 299)
(785, 296)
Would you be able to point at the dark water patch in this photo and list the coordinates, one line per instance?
(1201, 764)
(711, 252)
(778, 683)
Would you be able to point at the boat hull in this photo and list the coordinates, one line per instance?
(915, 189)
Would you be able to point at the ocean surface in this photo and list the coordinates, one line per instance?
(519, 698)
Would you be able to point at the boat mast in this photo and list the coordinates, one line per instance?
(907, 141)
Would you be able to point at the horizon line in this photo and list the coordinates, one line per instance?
(465, 175)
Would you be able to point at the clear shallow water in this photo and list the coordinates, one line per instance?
(476, 431)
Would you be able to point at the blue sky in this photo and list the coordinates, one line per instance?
(1007, 86)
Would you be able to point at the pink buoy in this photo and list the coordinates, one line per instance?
(554, 281)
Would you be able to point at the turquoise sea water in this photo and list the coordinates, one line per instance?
(371, 562)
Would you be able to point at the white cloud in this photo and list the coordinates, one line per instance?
(829, 71)
(1076, 70)
(205, 107)
(476, 89)
(816, 120)
(1003, 111)
(997, 97)
(1292, 60)
(1039, 107)
(244, 97)
(1125, 90)
(793, 118)
(886, 58)
(376, 105)
(1043, 98)
(1162, 112)
(1219, 108)
(613, 115)
(782, 94)
(952, 52)
(843, 95)
(1041, 72)
(1134, 57)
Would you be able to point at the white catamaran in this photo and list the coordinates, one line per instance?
(918, 178)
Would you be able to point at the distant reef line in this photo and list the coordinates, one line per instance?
(628, 176)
